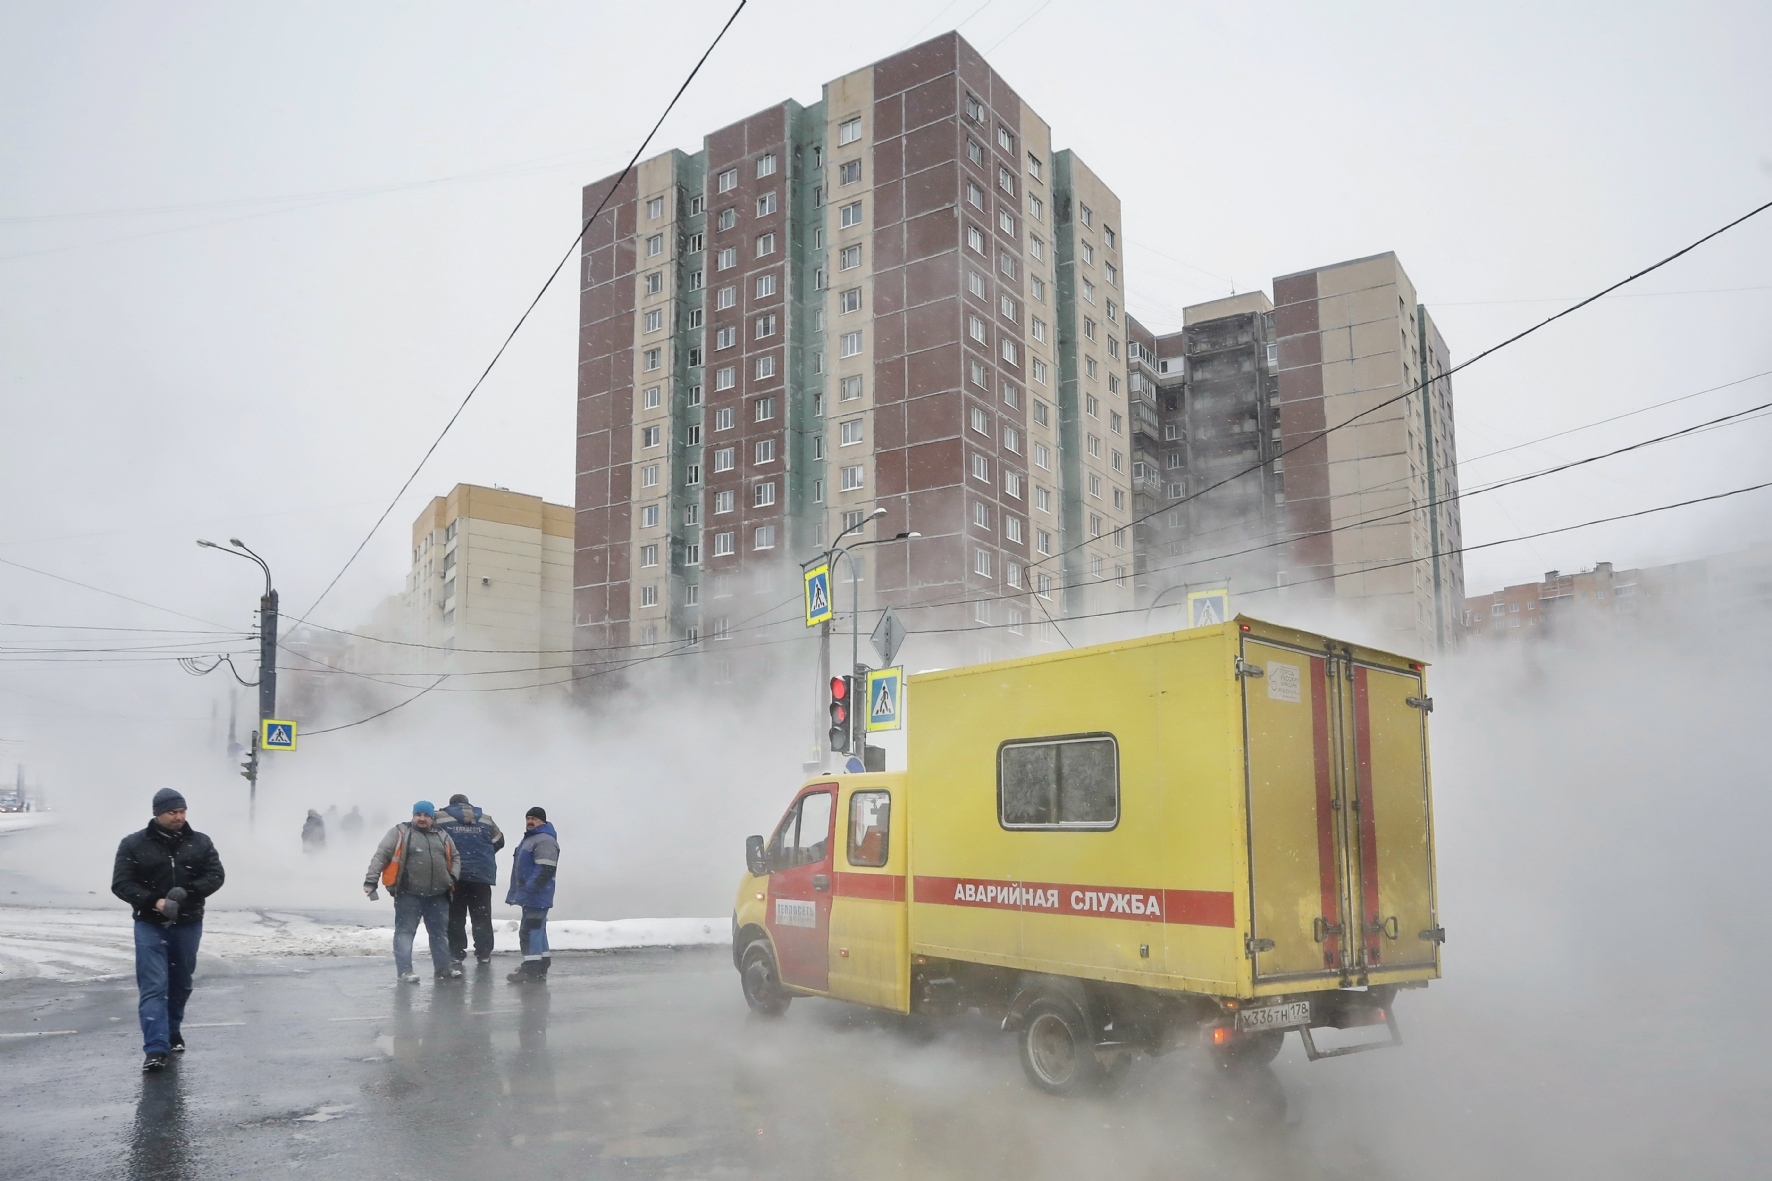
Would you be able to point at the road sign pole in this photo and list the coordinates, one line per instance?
(821, 722)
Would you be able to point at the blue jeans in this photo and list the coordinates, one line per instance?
(165, 957)
(532, 933)
(434, 910)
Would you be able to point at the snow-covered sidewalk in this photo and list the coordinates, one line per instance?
(78, 945)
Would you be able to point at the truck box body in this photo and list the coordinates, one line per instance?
(1238, 811)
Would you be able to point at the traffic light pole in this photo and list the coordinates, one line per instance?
(267, 665)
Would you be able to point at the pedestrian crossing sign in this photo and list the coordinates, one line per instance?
(1208, 608)
(818, 595)
(885, 699)
(275, 734)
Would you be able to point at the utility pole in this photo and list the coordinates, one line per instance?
(267, 664)
(858, 701)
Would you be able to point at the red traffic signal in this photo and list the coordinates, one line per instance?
(840, 723)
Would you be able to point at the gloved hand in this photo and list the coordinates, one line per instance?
(369, 889)
(169, 905)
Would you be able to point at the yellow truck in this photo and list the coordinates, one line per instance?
(1215, 835)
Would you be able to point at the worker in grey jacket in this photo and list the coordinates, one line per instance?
(418, 863)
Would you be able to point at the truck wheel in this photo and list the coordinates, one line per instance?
(1249, 1049)
(762, 983)
(1056, 1050)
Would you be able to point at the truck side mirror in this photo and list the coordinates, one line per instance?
(754, 859)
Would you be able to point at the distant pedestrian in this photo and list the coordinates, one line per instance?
(351, 823)
(313, 833)
(477, 840)
(533, 866)
(164, 872)
(418, 863)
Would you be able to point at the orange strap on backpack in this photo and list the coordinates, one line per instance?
(390, 872)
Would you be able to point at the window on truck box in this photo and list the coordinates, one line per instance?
(1067, 782)
(804, 834)
(870, 821)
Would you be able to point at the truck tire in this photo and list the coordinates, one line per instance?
(761, 981)
(1057, 1052)
(1249, 1049)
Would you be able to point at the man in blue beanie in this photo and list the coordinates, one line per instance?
(164, 872)
(532, 888)
(418, 863)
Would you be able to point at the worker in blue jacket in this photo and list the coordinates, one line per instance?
(533, 866)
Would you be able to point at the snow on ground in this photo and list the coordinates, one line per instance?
(11, 822)
(79, 945)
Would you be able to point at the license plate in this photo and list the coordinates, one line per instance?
(1274, 1016)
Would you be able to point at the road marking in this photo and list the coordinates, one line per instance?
(211, 1024)
(41, 1033)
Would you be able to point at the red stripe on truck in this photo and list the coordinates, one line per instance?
(881, 887)
(1368, 822)
(1329, 893)
(1194, 908)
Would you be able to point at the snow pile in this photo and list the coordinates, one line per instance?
(74, 945)
(11, 822)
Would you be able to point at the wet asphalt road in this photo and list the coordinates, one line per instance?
(646, 1064)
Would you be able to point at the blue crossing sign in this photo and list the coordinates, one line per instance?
(818, 595)
(276, 734)
(885, 699)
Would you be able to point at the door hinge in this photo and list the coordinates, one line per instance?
(1322, 928)
(1245, 669)
(1424, 704)
(1434, 935)
(1251, 945)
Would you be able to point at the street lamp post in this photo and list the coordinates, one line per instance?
(832, 556)
(267, 657)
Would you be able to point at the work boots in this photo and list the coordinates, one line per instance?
(531, 971)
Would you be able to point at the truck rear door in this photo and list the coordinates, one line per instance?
(1296, 846)
(799, 914)
(1394, 823)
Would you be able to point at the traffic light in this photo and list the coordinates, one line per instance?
(842, 700)
(249, 768)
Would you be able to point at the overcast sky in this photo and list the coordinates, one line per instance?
(251, 256)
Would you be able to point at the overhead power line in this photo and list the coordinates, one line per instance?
(522, 319)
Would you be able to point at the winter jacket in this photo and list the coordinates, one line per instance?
(154, 860)
(428, 866)
(313, 831)
(532, 868)
(477, 838)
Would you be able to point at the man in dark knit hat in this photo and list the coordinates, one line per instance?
(164, 872)
(533, 866)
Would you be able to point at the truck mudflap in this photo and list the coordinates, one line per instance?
(1319, 1011)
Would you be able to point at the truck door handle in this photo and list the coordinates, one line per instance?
(1385, 927)
(1322, 928)
(821, 881)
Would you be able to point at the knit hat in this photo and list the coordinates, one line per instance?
(539, 813)
(425, 807)
(167, 800)
(457, 798)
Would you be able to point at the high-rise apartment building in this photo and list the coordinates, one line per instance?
(899, 297)
(1373, 503)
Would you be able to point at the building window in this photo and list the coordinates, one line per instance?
(655, 209)
(649, 476)
(728, 180)
(766, 204)
(1006, 180)
(654, 282)
(1085, 214)
(1092, 405)
(1006, 221)
(764, 451)
(1005, 140)
(649, 436)
(766, 164)
(694, 322)
(849, 215)
(1095, 524)
(849, 301)
(1042, 457)
(852, 432)
(695, 280)
(1113, 278)
(1012, 440)
(1011, 395)
(981, 563)
(975, 283)
(1115, 422)
(765, 366)
(849, 172)
(649, 517)
(849, 389)
(727, 219)
(691, 557)
(765, 244)
(980, 421)
(1036, 208)
(849, 258)
(763, 409)
(1108, 235)
(1088, 253)
(653, 397)
(1094, 446)
(1037, 288)
(1089, 366)
(974, 153)
(1012, 528)
(1040, 371)
(981, 468)
(818, 446)
(691, 514)
(1042, 540)
(1043, 499)
(975, 326)
(765, 326)
(818, 498)
(724, 459)
(692, 475)
(1012, 485)
(1011, 351)
(722, 549)
(725, 338)
(765, 285)
(655, 246)
(848, 131)
(1117, 461)
(724, 298)
(726, 259)
(974, 109)
(649, 555)
(654, 359)
(975, 194)
(1037, 329)
(763, 537)
(655, 320)
(723, 502)
(1006, 264)
(975, 238)
(1088, 291)
(723, 418)
(649, 598)
(694, 244)
(851, 344)
(763, 495)
(852, 478)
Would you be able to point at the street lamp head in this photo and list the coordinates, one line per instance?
(879, 512)
(207, 544)
(911, 536)
(236, 542)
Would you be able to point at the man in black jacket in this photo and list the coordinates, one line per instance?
(164, 872)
